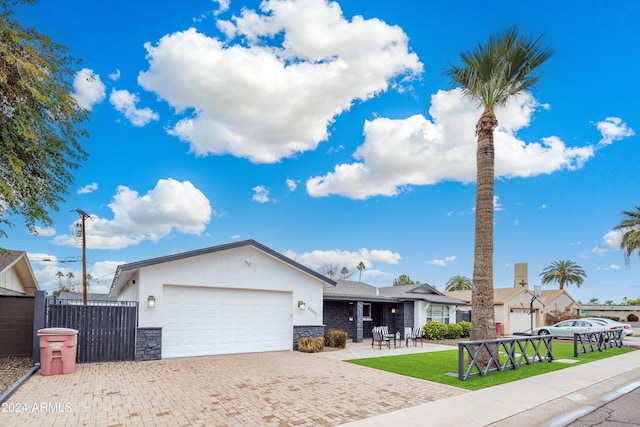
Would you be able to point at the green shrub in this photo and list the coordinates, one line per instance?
(311, 345)
(434, 330)
(454, 331)
(335, 338)
(466, 329)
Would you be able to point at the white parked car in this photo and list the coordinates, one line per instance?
(567, 328)
(612, 324)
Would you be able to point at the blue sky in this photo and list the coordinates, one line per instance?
(329, 132)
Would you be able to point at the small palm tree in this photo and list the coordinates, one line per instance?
(490, 75)
(630, 226)
(459, 283)
(60, 274)
(361, 267)
(563, 273)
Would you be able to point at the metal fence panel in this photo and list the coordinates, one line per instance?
(106, 330)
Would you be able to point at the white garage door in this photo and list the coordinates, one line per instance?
(205, 321)
(520, 320)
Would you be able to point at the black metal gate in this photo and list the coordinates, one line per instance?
(107, 329)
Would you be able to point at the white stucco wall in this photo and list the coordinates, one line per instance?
(420, 313)
(9, 279)
(242, 268)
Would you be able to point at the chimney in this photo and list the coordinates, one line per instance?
(520, 276)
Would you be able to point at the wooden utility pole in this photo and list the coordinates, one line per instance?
(83, 217)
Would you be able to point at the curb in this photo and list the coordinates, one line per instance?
(15, 386)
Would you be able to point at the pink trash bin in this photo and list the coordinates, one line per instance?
(58, 347)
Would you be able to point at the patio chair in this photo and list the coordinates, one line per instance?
(385, 332)
(415, 335)
(379, 338)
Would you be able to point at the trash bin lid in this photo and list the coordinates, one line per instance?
(57, 331)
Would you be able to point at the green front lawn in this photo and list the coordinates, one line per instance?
(442, 366)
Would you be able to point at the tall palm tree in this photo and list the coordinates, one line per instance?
(459, 283)
(361, 267)
(630, 226)
(490, 75)
(563, 273)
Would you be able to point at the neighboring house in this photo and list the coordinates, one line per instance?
(356, 307)
(517, 309)
(626, 313)
(559, 300)
(235, 298)
(93, 299)
(16, 275)
(512, 308)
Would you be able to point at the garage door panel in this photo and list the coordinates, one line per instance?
(206, 321)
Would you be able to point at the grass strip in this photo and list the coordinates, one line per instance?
(442, 366)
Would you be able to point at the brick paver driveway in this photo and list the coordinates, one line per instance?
(261, 389)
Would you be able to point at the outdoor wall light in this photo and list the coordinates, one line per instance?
(151, 301)
(301, 305)
(393, 310)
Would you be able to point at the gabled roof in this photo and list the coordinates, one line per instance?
(352, 291)
(347, 290)
(18, 261)
(500, 295)
(126, 271)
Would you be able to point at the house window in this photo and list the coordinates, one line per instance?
(438, 313)
(366, 311)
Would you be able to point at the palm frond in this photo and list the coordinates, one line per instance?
(505, 66)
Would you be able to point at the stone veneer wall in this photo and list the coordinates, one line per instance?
(149, 344)
(306, 332)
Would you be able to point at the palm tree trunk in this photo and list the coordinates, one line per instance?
(482, 313)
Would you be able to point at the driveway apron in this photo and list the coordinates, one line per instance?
(258, 389)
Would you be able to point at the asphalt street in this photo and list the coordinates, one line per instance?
(622, 411)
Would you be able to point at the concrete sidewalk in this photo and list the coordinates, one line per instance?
(551, 400)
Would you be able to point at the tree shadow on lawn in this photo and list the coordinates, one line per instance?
(442, 366)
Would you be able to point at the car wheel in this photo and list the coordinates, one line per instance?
(543, 332)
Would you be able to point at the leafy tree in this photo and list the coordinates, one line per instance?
(594, 300)
(490, 75)
(361, 267)
(630, 226)
(61, 289)
(563, 273)
(633, 301)
(608, 302)
(39, 130)
(459, 283)
(403, 279)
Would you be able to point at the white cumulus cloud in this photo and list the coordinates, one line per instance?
(88, 89)
(260, 194)
(613, 129)
(125, 102)
(609, 242)
(89, 188)
(442, 262)
(262, 102)
(319, 258)
(417, 151)
(171, 205)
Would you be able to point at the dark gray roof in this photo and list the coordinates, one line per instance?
(347, 290)
(90, 296)
(126, 270)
